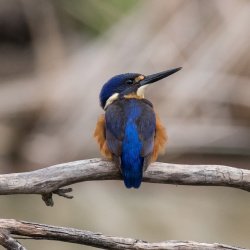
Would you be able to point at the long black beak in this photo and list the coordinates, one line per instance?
(158, 76)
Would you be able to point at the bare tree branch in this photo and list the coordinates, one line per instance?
(50, 180)
(47, 232)
(8, 242)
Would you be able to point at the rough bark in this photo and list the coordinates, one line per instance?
(51, 179)
(40, 231)
(7, 241)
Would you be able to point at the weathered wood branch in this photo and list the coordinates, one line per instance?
(50, 180)
(40, 231)
(8, 242)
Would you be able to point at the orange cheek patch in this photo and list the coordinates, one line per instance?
(160, 139)
(99, 135)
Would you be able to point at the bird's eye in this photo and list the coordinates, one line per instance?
(129, 82)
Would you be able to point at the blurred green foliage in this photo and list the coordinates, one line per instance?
(93, 16)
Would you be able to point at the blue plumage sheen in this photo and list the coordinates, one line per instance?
(116, 84)
(130, 137)
(131, 161)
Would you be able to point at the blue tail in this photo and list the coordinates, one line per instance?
(132, 170)
(131, 162)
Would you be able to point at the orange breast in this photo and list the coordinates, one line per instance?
(99, 135)
(160, 139)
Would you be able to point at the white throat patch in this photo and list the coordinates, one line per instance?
(140, 91)
(111, 99)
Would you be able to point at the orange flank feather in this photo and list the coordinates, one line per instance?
(99, 135)
(160, 139)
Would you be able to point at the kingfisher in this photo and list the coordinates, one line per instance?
(130, 132)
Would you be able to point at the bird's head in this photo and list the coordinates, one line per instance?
(129, 83)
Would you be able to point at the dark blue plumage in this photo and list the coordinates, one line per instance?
(131, 161)
(116, 84)
(130, 130)
(130, 127)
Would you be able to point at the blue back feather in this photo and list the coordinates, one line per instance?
(131, 162)
(130, 130)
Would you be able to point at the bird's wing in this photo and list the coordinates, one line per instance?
(116, 120)
(146, 128)
(100, 136)
(152, 135)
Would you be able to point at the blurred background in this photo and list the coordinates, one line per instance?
(54, 58)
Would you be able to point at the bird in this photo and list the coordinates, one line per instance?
(130, 132)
